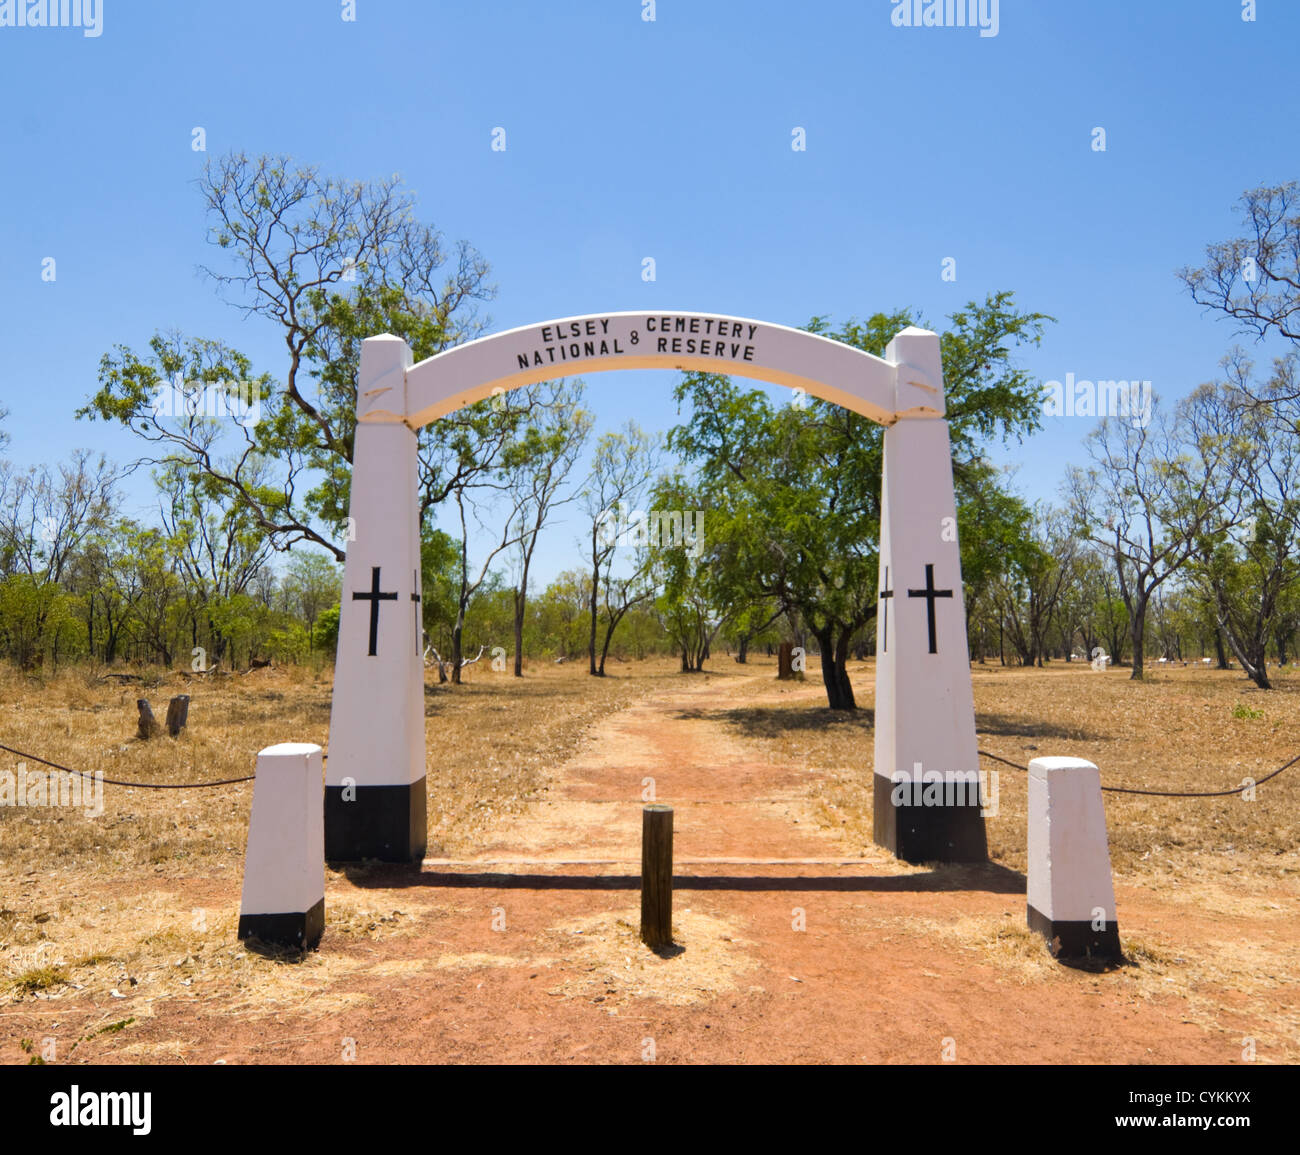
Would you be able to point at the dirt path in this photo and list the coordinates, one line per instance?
(530, 954)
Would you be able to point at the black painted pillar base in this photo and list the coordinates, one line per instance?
(302, 930)
(388, 823)
(917, 833)
(1075, 938)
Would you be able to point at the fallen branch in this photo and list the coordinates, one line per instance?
(444, 665)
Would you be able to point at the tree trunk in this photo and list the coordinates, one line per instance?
(743, 651)
(456, 632)
(609, 637)
(520, 603)
(594, 606)
(784, 664)
(839, 690)
(1219, 652)
(1137, 631)
(1253, 663)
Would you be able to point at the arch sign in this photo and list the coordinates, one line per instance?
(925, 718)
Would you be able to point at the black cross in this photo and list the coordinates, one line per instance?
(884, 615)
(374, 597)
(415, 599)
(930, 593)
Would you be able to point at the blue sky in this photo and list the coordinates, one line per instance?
(627, 138)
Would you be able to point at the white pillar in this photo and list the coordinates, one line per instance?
(1071, 894)
(375, 774)
(283, 900)
(926, 768)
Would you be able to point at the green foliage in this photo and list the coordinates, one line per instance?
(327, 629)
(288, 645)
(791, 493)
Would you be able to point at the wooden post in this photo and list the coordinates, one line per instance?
(657, 876)
(148, 726)
(178, 712)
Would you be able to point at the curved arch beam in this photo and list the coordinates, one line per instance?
(881, 390)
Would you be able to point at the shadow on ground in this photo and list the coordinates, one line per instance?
(1001, 726)
(990, 877)
(772, 722)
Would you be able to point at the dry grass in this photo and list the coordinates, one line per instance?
(133, 906)
(1175, 731)
(97, 904)
(617, 967)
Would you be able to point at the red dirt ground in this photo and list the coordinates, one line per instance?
(895, 964)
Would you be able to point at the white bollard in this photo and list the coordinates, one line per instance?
(1071, 895)
(284, 870)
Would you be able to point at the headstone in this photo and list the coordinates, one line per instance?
(178, 714)
(147, 725)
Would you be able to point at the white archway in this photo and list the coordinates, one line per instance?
(375, 804)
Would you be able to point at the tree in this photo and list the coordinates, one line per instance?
(793, 491)
(683, 572)
(484, 456)
(1153, 492)
(622, 594)
(218, 552)
(1255, 279)
(1245, 568)
(996, 540)
(549, 457)
(312, 583)
(1030, 595)
(330, 262)
(623, 464)
(47, 516)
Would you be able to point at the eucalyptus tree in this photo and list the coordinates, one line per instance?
(328, 262)
(1254, 279)
(623, 466)
(1153, 491)
(1247, 568)
(551, 449)
(793, 490)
